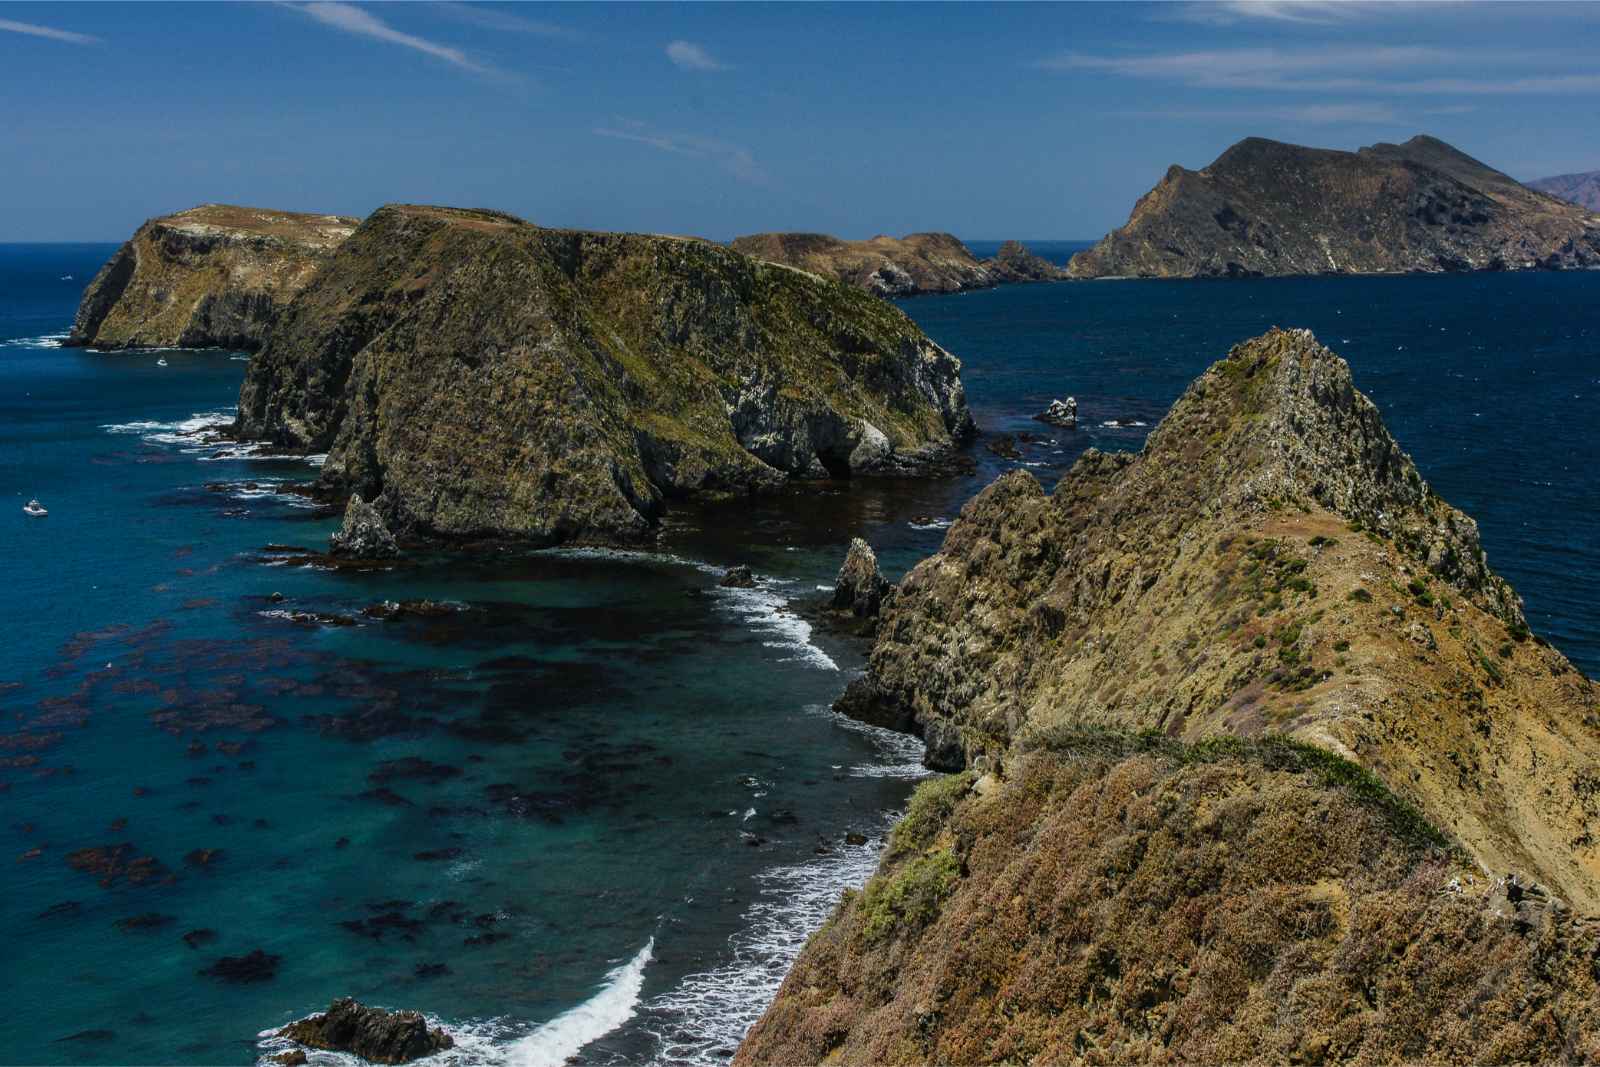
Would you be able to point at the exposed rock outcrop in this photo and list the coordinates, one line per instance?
(363, 534)
(478, 376)
(1271, 562)
(860, 588)
(1062, 413)
(900, 266)
(1581, 189)
(215, 276)
(1267, 208)
(375, 1035)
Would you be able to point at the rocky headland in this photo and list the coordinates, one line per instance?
(1582, 189)
(215, 276)
(1268, 208)
(475, 376)
(900, 266)
(1255, 760)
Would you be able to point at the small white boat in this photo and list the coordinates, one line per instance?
(33, 507)
(161, 362)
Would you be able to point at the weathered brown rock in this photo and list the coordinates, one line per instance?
(376, 1035)
(476, 376)
(363, 534)
(1267, 208)
(860, 588)
(215, 276)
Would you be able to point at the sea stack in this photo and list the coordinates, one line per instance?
(1268, 208)
(215, 276)
(1253, 755)
(476, 376)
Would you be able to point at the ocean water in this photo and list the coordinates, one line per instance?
(594, 808)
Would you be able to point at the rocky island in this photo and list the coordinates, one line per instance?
(1268, 208)
(1255, 759)
(900, 266)
(1582, 189)
(215, 276)
(471, 375)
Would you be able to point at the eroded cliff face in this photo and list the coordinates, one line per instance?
(1270, 563)
(1119, 900)
(1582, 189)
(900, 266)
(476, 376)
(1268, 208)
(215, 276)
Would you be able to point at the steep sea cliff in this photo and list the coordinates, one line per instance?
(1234, 711)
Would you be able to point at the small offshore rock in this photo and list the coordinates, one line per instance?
(739, 577)
(374, 1034)
(254, 966)
(363, 535)
(1063, 413)
(860, 588)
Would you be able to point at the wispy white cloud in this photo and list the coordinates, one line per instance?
(352, 18)
(1401, 69)
(1343, 114)
(738, 161)
(49, 32)
(492, 18)
(690, 56)
(1307, 12)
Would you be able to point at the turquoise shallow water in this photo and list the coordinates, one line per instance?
(603, 783)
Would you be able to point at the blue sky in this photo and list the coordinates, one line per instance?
(989, 121)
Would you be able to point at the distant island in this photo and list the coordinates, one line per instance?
(1582, 189)
(215, 276)
(1269, 208)
(900, 266)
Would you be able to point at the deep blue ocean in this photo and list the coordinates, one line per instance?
(594, 808)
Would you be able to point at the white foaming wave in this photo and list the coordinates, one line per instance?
(559, 1039)
(48, 340)
(931, 524)
(764, 609)
(502, 1043)
(707, 1014)
(200, 435)
(768, 613)
(269, 489)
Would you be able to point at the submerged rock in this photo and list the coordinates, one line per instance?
(363, 534)
(860, 588)
(478, 377)
(256, 965)
(215, 276)
(376, 1035)
(1062, 413)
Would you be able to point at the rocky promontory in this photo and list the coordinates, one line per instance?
(1269, 208)
(215, 276)
(900, 266)
(475, 376)
(1255, 758)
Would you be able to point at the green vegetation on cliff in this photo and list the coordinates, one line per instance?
(1123, 899)
(477, 376)
(215, 276)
